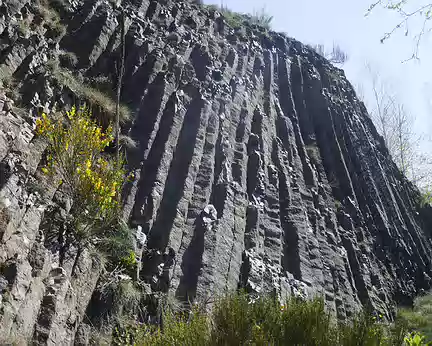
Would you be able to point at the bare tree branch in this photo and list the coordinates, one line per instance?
(396, 126)
(399, 7)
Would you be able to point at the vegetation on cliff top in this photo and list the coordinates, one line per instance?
(236, 20)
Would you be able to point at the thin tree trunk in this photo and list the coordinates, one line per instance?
(119, 85)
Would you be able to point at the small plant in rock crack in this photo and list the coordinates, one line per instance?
(117, 248)
(51, 19)
(92, 180)
(37, 189)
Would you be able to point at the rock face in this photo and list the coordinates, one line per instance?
(256, 167)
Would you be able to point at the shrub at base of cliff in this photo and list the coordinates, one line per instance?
(420, 317)
(92, 182)
(239, 320)
(186, 328)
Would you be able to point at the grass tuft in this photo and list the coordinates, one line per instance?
(94, 97)
(51, 20)
(68, 60)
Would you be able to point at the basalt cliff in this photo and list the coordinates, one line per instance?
(255, 167)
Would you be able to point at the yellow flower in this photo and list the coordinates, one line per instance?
(96, 179)
(71, 113)
(39, 126)
(99, 186)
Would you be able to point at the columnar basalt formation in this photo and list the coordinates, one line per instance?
(256, 167)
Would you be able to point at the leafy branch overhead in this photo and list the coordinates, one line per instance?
(408, 11)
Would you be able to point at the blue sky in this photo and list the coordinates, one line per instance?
(344, 22)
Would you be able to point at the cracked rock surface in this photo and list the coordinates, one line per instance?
(256, 166)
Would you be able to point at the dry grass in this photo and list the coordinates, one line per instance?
(6, 80)
(94, 97)
(313, 153)
(51, 20)
(68, 59)
(10, 85)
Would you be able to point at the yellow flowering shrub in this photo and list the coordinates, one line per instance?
(75, 153)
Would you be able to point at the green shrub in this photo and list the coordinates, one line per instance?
(23, 27)
(192, 329)
(425, 197)
(262, 18)
(420, 316)
(93, 181)
(233, 320)
(364, 330)
(236, 319)
(5, 79)
(236, 20)
(128, 297)
(307, 323)
(118, 244)
(233, 19)
(117, 247)
(415, 339)
(10, 85)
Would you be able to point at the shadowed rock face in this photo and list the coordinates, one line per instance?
(256, 167)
